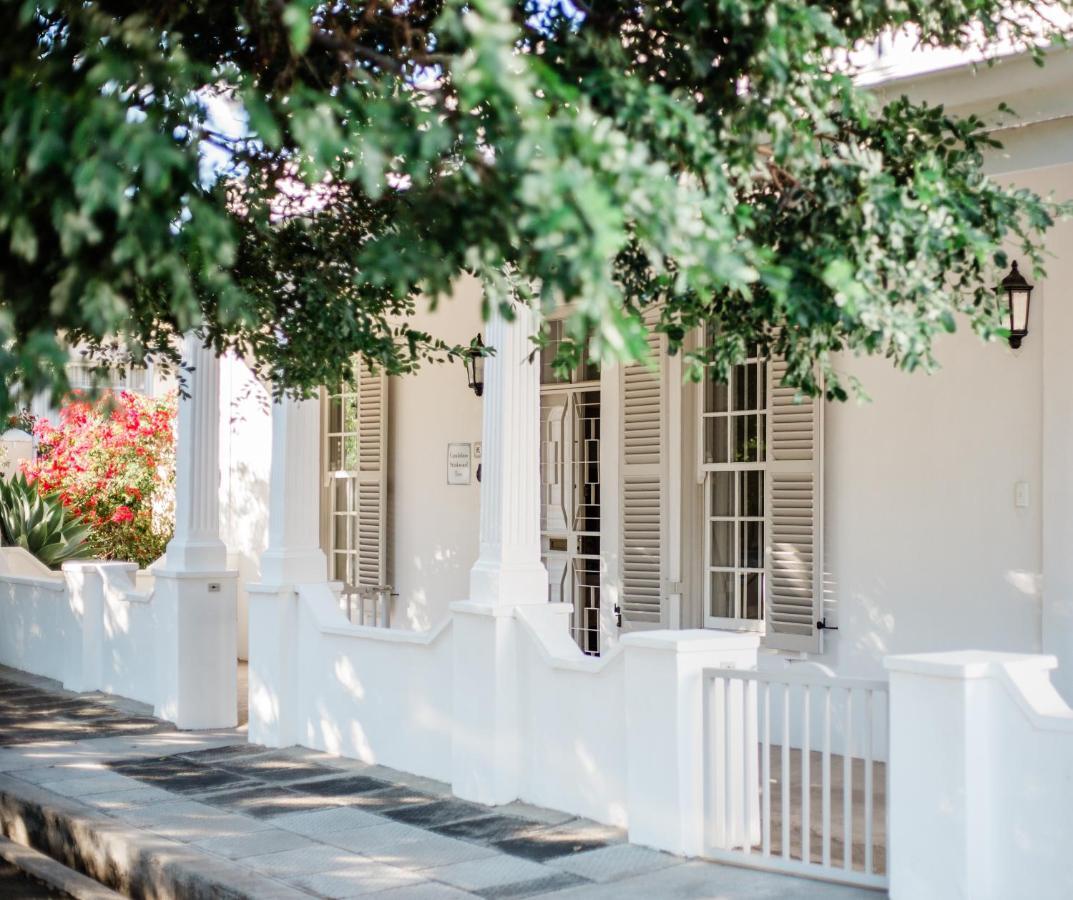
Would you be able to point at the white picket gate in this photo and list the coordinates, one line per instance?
(796, 776)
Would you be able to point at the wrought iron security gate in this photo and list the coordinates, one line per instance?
(570, 504)
(796, 773)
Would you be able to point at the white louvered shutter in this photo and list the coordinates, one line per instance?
(794, 501)
(643, 500)
(371, 487)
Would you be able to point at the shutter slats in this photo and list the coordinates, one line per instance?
(793, 602)
(642, 492)
(371, 542)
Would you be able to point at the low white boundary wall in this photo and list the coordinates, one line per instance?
(498, 702)
(160, 638)
(981, 790)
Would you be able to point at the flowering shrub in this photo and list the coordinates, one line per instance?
(112, 464)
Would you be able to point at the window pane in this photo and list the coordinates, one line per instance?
(722, 546)
(339, 533)
(722, 596)
(335, 453)
(751, 394)
(341, 485)
(746, 448)
(350, 452)
(722, 487)
(751, 593)
(715, 440)
(339, 572)
(715, 396)
(335, 416)
(739, 387)
(752, 492)
(750, 548)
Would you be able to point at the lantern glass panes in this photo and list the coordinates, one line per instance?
(1018, 297)
(475, 366)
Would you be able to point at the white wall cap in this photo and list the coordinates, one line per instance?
(967, 663)
(16, 434)
(701, 640)
(76, 565)
(496, 610)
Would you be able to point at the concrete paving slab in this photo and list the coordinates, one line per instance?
(615, 862)
(114, 801)
(425, 891)
(96, 783)
(299, 861)
(327, 821)
(259, 843)
(488, 872)
(408, 847)
(355, 879)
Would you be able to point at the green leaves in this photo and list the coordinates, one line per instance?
(715, 160)
(40, 524)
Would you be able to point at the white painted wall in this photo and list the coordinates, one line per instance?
(925, 548)
(379, 695)
(981, 778)
(433, 525)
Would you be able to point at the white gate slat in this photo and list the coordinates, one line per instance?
(740, 782)
(868, 705)
(826, 840)
(806, 774)
(847, 786)
(765, 762)
(785, 789)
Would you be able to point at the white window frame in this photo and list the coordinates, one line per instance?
(705, 474)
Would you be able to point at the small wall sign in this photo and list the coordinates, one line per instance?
(459, 463)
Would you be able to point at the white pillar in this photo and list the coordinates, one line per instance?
(666, 746)
(508, 573)
(293, 557)
(194, 593)
(196, 544)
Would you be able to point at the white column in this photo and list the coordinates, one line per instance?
(196, 544)
(509, 571)
(294, 555)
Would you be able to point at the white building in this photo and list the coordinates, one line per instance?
(543, 632)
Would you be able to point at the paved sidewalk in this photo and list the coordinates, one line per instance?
(315, 825)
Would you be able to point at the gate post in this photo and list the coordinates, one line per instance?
(666, 749)
(508, 573)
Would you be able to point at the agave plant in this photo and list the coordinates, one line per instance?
(39, 524)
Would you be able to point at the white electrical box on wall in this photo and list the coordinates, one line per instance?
(1021, 495)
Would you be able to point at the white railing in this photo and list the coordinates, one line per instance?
(796, 774)
(367, 605)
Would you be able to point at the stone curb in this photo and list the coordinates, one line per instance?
(46, 869)
(132, 862)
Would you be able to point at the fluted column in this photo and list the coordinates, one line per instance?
(294, 555)
(509, 571)
(196, 544)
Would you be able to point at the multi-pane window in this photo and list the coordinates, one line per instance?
(734, 428)
(342, 440)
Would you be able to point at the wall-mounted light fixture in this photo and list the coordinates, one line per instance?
(475, 366)
(1018, 296)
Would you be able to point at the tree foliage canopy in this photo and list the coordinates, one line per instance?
(718, 160)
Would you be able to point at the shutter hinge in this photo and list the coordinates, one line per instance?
(823, 626)
(618, 615)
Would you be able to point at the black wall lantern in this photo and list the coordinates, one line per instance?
(475, 365)
(1018, 295)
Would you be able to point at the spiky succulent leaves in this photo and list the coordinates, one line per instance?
(39, 524)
